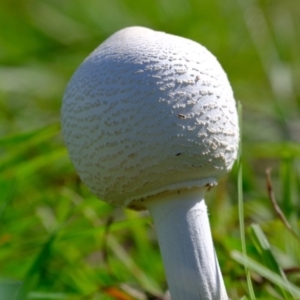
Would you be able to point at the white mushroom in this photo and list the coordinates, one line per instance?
(150, 122)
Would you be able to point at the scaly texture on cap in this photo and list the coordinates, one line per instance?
(149, 112)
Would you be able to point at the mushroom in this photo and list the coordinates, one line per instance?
(150, 122)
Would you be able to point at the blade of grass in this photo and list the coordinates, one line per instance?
(283, 150)
(266, 273)
(262, 245)
(47, 296)
(32, 276)
(241, 206)
(15, 158)
(147, 283)
(7, 191)
(141, 240)
(35, 136)
(9, 290)
(26, 168)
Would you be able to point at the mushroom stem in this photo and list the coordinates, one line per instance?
(186, 245)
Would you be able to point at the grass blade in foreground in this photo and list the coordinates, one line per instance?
(266, 273)
(263, 247)
(241, 205)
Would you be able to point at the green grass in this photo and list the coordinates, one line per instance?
(57, 241)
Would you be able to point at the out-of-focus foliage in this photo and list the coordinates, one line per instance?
(57, 240)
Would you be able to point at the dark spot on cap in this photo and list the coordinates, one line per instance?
(209, 186)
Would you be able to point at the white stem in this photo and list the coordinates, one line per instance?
(186, 245)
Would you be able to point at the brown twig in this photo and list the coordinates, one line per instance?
(276, 207)
(292, 270)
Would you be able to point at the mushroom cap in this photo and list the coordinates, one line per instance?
(146, 113)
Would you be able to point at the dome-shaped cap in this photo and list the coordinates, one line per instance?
(149, 112)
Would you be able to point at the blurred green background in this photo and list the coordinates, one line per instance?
(57, 241)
